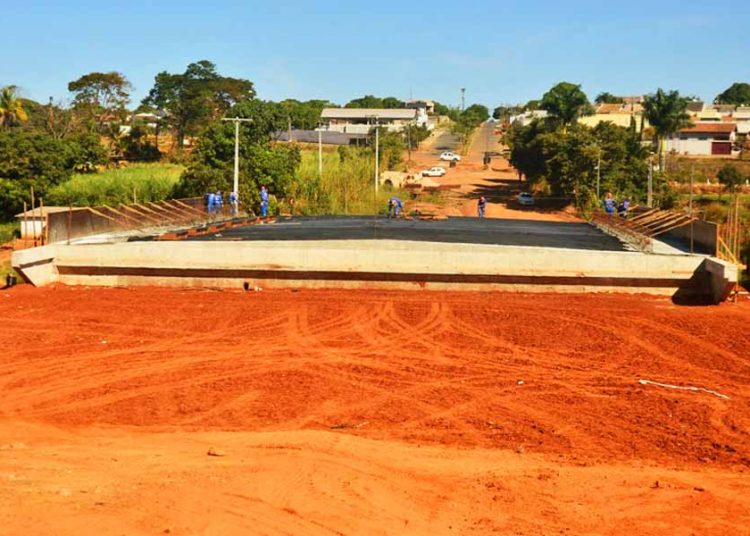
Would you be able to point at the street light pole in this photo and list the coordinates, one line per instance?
(236, 121)
(649, 198)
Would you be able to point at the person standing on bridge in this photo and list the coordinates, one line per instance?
(263, 202)
(218, 201)
(210, 202)
(610, 204)
(622, 209)
(234, 202)
(481, 206)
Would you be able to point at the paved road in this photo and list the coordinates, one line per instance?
(455, 230)
(445, 142)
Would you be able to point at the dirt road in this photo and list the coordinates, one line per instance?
(360, 412)
(469, 180)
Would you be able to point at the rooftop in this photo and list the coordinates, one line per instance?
(37, 212)
(711, 128)
(364, 113)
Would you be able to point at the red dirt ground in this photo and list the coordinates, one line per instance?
(369, 412)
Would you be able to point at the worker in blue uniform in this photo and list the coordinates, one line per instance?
(610, 204)
(211, 202)
(263, 201)
(395, 206)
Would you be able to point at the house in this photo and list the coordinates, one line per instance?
(526, 118)
(712, 138)
(311, 136)
(427, 104)
(361, 120)
(741, 117)
(618, 113)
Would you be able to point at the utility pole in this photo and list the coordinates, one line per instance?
(463, 102)
(650, 198)
(690, 205)
(408, 142)
(237, 121)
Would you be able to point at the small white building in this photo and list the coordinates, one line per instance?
(526, 118)
(34, 222)
(704, 139)
(362, 120)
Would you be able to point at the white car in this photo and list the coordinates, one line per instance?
(525, 198)
(434, 171)
(450, 157)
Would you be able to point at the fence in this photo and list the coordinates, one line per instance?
(68, 225)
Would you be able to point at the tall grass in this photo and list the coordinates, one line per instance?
(8, 231)
(139, 183)
(346, 186)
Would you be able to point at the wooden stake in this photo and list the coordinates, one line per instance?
(42, 220)
(25, 224)
(33, 209)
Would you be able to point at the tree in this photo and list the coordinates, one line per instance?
(11, 108)
(476, 114)
(196, 97)
(39, 160)
(371, 101)
(416, 134)
(441, 109)
(667, 113)
(730, 176)
(565, 103)
(304, 115)
(504, 112)
(607, 98)
(368, 101)
(566, 165)
(393, 102)
(737, 94)
(101, 97)
(211, 166)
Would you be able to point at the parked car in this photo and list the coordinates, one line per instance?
(450, 157)
(525, 198)
(434, 171)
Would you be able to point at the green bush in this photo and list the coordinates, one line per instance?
(8, 231)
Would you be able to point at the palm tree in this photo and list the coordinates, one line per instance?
(565, 103)
(667, 113)
(11, 108)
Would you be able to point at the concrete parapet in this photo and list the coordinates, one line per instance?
(36, 265)
(371, 263)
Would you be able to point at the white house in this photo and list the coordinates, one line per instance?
(34, 222)
(742, 117)
(704, 139)
(362, 120)
(526, 118)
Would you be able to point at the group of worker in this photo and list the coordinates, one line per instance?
(611, 206)
(214, 202)
(395, 206)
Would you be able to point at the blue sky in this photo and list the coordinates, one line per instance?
(500, 51)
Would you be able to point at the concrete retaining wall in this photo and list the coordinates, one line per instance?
(365, 263)
(705, 236)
